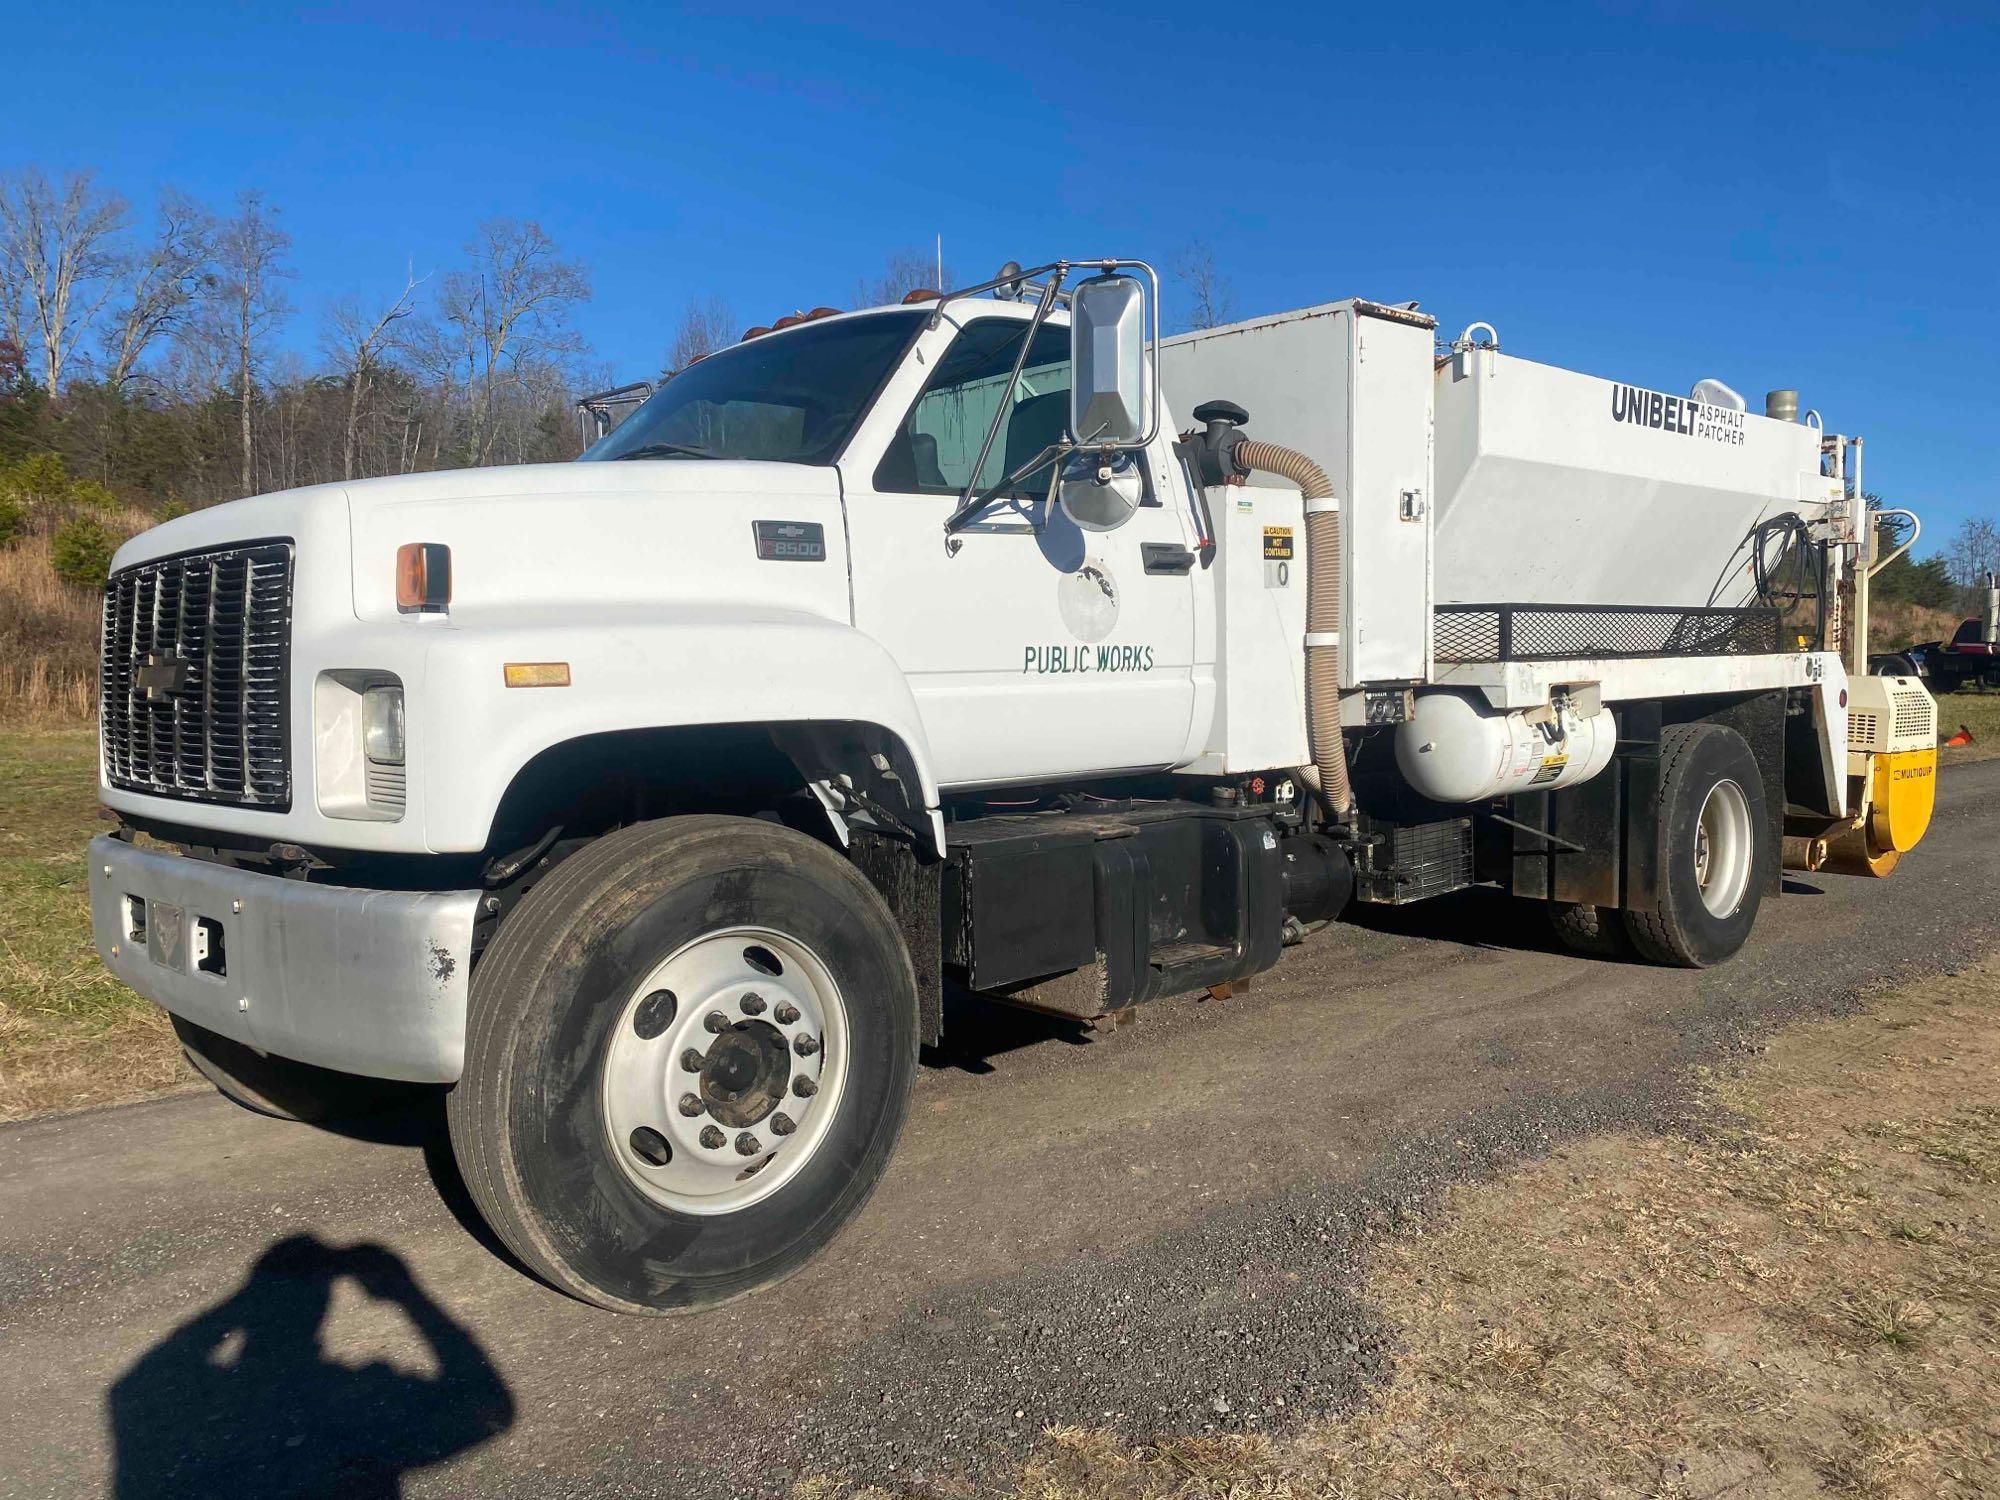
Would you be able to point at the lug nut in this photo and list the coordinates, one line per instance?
(712, 1137)
(786, 1013)
(805, 1045)
(690, 1105)
(804, 1087)
(782, 1125)
(753, 1005)
(693, 1061)
(716, 1022)
(746, 1144)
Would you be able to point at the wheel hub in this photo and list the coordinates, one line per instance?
(746, 1074)
(724, 1070)
(1724, 846)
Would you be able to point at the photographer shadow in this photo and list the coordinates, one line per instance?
(244, 1400)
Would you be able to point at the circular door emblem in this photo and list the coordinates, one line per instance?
(1088, 600)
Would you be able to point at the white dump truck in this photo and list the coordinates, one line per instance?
(653, 803)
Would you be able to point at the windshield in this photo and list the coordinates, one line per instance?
(789, 398)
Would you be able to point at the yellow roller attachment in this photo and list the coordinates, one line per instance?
(1902, 790)
(1905, 793)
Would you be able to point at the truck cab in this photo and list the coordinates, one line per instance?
(650, 803)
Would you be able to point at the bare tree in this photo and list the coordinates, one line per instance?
(250, 251)
(905, 271)
(162, 281)
(706, 325)
(57, 247)
(1211, 303)
(357, 341)
(1974, 550)
(507, 313)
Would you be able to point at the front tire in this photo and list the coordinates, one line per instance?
(1715, 849)
(688, 1055)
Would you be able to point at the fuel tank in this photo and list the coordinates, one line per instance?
(1456, 748)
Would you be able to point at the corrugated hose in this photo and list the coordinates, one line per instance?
(1329, 753)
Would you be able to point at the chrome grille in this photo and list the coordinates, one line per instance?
(193, 700)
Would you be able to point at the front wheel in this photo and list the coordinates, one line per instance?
(1715, 848)
(688, 1056)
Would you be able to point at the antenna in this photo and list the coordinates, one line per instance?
(939, 283)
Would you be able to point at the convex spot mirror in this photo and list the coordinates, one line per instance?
(1100, 491)
(1107, 346)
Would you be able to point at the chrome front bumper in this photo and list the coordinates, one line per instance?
(370, 982)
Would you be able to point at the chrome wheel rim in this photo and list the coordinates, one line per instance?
(725, 1070)
(1723, 843)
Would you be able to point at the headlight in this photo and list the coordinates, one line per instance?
(382, 724)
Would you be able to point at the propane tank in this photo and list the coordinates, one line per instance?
(1455, 747)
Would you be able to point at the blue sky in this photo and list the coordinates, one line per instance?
(1773, 195)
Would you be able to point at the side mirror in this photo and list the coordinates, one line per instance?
(1100, 492)
(1109, 403)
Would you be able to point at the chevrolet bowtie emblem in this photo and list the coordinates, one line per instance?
(160, 677)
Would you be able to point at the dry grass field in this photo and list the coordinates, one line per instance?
(1800, 1298)
(70, 1034)
(48, 637)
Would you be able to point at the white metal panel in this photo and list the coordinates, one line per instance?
(1560, 488)
(1260, 713)
(1386, 600)
(1527, 684)
(1349, 385)
(1289, 371)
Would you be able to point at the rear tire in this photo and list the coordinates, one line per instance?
(583, 1134)
(1595, 930)
(284, 1089)
(1715, 848)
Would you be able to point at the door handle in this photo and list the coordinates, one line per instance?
(1166, 557)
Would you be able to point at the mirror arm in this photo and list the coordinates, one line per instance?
(969, 502)
(974, 504)
(1060, 267)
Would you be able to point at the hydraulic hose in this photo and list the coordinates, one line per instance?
(1322, 612)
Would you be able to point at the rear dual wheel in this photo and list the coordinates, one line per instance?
(1716, 849)
(1716, 854)
(688, 1056)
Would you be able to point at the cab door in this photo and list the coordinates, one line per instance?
(1034, 649)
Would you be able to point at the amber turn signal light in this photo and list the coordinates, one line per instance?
(536, 673)
(423, 576)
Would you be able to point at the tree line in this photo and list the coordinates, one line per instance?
(155, 352)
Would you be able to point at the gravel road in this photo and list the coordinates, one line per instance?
(1164, 1227)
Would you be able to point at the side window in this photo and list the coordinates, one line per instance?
(934, 450)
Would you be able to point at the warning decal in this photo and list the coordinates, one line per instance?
(1278, 543)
